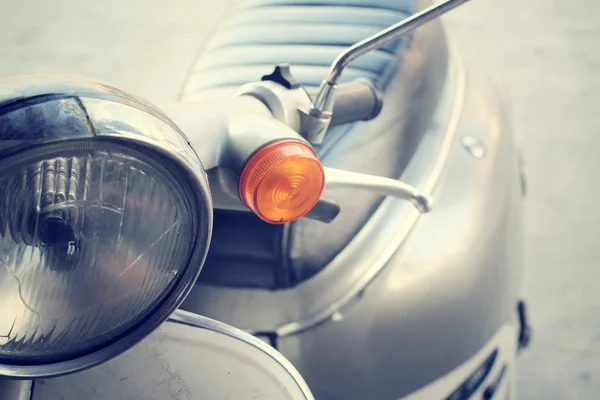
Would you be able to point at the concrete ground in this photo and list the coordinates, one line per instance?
(546, 51)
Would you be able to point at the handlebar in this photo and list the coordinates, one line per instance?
(355, 101)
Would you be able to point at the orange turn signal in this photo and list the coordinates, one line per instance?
(282, 181)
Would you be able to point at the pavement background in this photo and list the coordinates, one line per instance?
(547, 52)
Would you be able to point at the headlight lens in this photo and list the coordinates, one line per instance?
(91, 240)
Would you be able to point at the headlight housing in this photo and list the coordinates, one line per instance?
(105, 221)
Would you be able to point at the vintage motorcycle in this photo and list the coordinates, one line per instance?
(365, 227)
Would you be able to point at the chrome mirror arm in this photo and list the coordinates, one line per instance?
(318, 116)
(387, 186)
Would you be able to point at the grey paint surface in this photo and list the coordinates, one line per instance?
(545, 52)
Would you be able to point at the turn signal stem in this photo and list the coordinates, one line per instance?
(387, 186)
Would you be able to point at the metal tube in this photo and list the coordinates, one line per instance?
(323, 100)
(389, 34)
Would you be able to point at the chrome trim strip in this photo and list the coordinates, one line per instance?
(198, 321)
(459, 73)
(452, 125)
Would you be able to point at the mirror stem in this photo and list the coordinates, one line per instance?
(387, 35)
(322, 106)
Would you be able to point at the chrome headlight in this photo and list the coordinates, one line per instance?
(105, 220)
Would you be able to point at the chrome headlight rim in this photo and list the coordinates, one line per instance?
(192, 182)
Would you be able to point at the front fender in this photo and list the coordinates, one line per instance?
(191, 358)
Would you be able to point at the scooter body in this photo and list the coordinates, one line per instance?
(382, 301)
(403, 299)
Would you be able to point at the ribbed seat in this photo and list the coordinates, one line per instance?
(306, 34)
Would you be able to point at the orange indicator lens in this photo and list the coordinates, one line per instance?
(282, 181)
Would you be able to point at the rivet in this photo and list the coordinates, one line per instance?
(474, 146)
